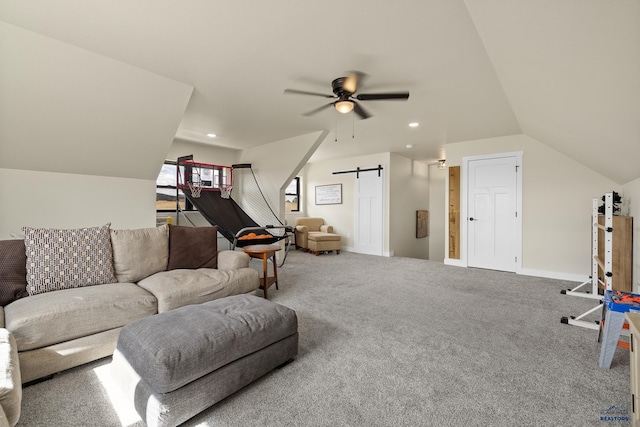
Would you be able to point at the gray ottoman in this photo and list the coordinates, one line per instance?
(178, 363)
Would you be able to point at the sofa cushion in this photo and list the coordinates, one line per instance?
(140, 253)
(176, 288)
(193, 247)
(62, 259)
(232, 260)
(54, 317)
(13, 271)
(323, 237)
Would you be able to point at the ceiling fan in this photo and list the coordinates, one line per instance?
(344, 93)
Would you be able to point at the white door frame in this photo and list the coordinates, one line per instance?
(464, 195)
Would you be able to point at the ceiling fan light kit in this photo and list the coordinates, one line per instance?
(344, 91)
(344, 107)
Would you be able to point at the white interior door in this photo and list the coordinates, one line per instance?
(493, 223)
(369, 226)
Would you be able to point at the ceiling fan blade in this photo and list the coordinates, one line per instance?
(360, 111)
(317, 110)
(304, 92)
(352, 81)
(380, 96)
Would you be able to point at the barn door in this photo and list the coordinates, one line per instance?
(369, 227)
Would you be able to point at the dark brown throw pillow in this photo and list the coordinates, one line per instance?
(193, 247)
(13, 271)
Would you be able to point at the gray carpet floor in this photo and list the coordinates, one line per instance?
(398, 342)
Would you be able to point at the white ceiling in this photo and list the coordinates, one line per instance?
(564, 72)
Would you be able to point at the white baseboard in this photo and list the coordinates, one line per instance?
(532, 272)
(454, 262)
(554, 275)
(351, 249)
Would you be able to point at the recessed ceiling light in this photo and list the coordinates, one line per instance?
(414, 125)
(409, 146)
(211, 135)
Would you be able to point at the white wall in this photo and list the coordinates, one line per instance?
(65, 109)
(61, 200)
(409, 192)
(631, 200)
(342, 216)
(82, 136)
(406, 189)
(557, 201)
(437, 211)
(277, 163)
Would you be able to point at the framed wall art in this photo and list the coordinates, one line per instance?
(422, 224)
(329, 194)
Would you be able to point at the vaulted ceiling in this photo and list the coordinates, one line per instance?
(564, 72)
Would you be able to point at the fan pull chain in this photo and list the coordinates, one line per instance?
(353, 125)
(336, 140)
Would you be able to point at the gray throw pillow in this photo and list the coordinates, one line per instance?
(140, 253)
(62, 259)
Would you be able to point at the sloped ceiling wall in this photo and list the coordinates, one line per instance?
(65, 109)
(571, 71)
(564, 72)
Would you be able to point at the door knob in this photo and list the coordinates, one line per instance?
(472, 219)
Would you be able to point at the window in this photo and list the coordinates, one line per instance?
(292, 196)
(166, 190)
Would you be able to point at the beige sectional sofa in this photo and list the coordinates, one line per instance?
(82, 286)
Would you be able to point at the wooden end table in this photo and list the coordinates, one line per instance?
(264, 252)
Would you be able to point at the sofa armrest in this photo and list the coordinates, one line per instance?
(302, 231)
(4, 422)
(230, 260)
(326, 228)
(10, 379)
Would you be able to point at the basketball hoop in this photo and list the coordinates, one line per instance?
(195, 187)
(195, 183)
(225, 191)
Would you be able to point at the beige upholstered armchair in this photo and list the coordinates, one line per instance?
(306, 226)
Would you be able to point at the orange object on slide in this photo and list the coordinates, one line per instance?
(251, 236)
